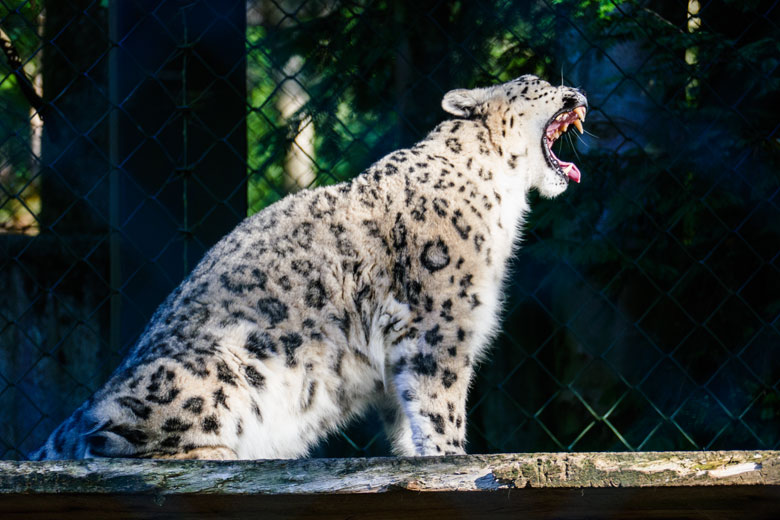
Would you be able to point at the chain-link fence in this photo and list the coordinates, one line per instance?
(642, 311)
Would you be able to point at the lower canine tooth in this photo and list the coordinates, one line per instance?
(567, 169)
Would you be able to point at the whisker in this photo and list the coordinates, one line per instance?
(571, 143)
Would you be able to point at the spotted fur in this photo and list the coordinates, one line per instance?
(379, 292)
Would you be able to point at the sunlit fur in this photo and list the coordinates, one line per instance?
(383, 292)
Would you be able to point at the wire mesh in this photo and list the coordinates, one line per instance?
(642, 312)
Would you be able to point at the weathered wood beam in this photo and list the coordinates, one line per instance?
(724, 484)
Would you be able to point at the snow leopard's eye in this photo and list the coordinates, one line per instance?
(554, 129)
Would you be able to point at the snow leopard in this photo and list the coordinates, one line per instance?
(382, 292)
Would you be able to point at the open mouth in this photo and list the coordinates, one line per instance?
(555, 128)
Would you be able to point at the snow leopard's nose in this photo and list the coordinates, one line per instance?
(574, 98)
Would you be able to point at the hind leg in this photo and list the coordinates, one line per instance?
(202, 453)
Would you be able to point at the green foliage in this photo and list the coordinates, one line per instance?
(368, 99)
(19, 198)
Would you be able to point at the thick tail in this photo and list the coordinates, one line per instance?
(82, 436)
(62, 443)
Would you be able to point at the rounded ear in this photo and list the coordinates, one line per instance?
(459, 102)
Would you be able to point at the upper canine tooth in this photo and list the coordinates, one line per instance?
(578, 124)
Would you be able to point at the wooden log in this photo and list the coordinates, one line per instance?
(724, 484)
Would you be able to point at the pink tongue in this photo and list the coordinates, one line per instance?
(574, 172)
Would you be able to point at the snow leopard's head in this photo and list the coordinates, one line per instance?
(526, 116)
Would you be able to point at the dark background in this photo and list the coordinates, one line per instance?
(642, 311)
